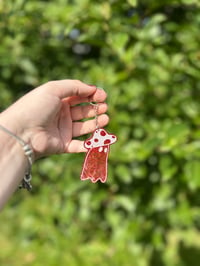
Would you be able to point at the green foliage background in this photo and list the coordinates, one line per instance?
(146, 55)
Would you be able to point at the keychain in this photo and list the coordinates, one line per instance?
(98, 146)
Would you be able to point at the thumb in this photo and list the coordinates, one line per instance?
(69, 87)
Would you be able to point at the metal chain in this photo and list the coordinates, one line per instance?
(96, 107)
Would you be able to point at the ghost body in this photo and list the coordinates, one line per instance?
(95, 164)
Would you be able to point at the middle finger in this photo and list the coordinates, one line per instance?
(87, 111)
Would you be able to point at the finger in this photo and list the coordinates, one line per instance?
(99, 96)
(87, 111)
(76, 146)
(81, 128)
(68, 87)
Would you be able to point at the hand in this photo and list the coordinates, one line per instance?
(48, 118)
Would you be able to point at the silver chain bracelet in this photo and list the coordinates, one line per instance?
(26, 182)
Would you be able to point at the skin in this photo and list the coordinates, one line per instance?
(48, 119)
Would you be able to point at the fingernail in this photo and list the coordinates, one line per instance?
(100, 88)
(94, 86)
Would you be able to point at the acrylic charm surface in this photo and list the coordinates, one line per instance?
(95, 164)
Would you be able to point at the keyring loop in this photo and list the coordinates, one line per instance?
(96, 106)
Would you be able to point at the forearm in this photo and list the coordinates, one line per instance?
(13, 165)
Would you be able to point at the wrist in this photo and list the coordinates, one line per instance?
(28, 152)
(11, 123)
(13, 165)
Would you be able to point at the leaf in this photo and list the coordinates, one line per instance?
(132, 2)
(192, 174)
(167, 167)
(175, 134)
(118, 41)
(123, 173)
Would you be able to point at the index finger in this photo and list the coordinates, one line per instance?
(69, 87)
(99, 96)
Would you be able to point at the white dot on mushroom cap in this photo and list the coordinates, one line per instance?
(100, 149)
(105, 150)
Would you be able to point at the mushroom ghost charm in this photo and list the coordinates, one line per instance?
(95, 164)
